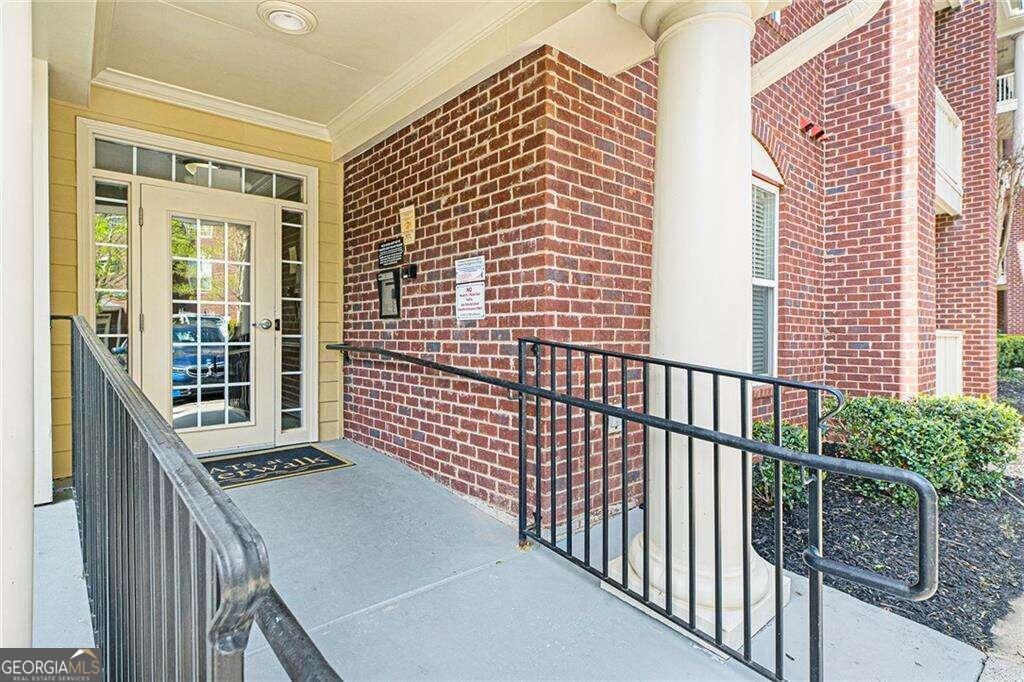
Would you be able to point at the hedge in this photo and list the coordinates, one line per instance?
(991, 433)
(1010, 351)
(960, 444)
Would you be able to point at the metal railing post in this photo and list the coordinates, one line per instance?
(814, 536)
(522, 445)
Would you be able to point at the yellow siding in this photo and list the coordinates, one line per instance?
(168, 119)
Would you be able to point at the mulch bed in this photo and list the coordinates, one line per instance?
(981, 554)
(1012, 391)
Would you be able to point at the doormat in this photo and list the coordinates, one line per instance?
(247, 468)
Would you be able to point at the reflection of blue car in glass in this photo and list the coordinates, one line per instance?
(190, 365)
(120, 353)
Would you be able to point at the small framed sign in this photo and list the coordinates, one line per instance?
(390, 253)
(470, 270)
(469, 301)
(389, 293)
(407, 222)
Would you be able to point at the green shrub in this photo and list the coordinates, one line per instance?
(900, 434)
(1010, 374)
(1010, 351)
(794, 437)
(990, 432)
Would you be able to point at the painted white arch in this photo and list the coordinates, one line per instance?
(762, 165)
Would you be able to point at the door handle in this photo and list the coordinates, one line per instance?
(265, 323)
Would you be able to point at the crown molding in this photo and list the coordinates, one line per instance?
(470, 51)
(211, 104)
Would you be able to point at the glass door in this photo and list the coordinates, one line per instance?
(208, 304)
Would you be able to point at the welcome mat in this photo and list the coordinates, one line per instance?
(233, 471)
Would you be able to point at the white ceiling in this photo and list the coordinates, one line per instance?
(367, 69)
(223, 49)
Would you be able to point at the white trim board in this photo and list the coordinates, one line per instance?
(211, 104)
(42, 409)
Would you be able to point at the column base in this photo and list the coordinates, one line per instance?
(762, 611)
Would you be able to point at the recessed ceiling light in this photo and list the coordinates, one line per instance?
(286, 17)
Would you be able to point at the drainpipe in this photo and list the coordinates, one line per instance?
(811, 43)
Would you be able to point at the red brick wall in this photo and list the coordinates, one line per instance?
(1015, 272)
(967, 245)
(879, 213)
(475, 171)
(601, 182)
(601, 173)
(546, 169)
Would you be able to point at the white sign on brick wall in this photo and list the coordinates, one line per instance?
(470, 270)
(470, 298)
(469, 301)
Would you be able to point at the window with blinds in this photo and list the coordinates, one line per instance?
(764, 219)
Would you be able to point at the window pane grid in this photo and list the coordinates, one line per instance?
(189, 169)
(211, 368)
(292, 346)
(211, 306)
(110, 257)
(764, 245)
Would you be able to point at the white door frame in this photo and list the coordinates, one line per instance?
(88, 130)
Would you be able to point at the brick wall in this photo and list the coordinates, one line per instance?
(1014, 297)
(474, 170)
(879, 214)
(967, 246)
(546, 169)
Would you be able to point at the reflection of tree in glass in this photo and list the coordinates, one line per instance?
(111, 261)
(238, 283)
(238, 276)
(110, 228)
(238, 243)
(183, 245)
(183, 280)
(183, 238)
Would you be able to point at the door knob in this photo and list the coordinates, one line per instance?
(265, 323)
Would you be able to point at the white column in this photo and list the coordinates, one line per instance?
(16, 327)
(1018, 91)
(701, 296)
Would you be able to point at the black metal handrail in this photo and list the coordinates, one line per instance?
(175, 572)
(676, 364)
(811, 461)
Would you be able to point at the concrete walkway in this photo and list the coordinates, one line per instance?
(397, 578)
(60, 600)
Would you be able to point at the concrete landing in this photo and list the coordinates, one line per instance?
(397, 578)
(60, 600)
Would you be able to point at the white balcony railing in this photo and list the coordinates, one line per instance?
(1006, 96)
(949, 157)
